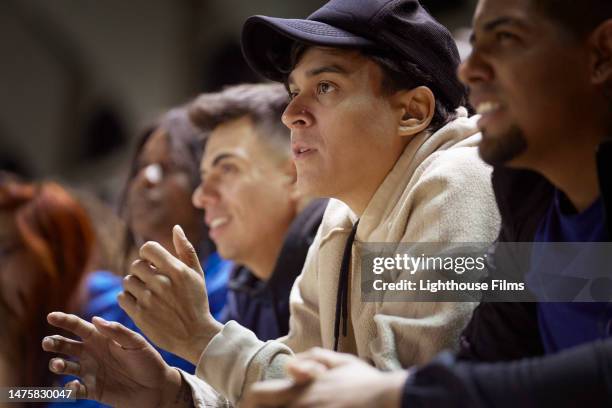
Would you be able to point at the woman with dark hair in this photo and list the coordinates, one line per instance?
(163, 174)
(46, 240)
(157, 195)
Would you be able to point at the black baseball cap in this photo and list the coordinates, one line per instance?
(398, 27)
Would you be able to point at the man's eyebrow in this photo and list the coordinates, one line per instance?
(503, 20)
(332, 68)
(493, 24)
(218, 159)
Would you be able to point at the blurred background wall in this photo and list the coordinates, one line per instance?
(79, 78)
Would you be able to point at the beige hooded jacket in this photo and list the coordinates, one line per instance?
(438, 191)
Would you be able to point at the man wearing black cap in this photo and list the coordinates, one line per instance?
(377, 124)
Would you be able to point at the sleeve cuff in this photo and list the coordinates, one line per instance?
(224, 362)
(202, 394)
(437, 384)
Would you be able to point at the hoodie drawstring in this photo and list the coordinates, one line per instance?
(342, 297)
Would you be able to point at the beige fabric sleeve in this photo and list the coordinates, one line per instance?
(236, 358)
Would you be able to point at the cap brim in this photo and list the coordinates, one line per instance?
(267, 42)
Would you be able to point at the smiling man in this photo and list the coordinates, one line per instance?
(547, 131)
(377, 123)
(541, 76)
(248, 191)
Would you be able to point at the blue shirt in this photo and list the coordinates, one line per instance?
(567, 324)
(217, 271)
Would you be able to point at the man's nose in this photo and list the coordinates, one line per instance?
(204, 195)
(297, 115)
(475, 69)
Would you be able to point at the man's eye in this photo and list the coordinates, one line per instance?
(227, 168)
(325, 87)
(293, 94)
(503, 36)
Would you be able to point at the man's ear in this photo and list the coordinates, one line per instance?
(601, 41)
(416, 110)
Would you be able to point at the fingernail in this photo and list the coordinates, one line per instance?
(57, 365)
(49, 341)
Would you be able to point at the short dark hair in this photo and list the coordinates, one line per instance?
(398, 74)
(579, 18)
(264, 104)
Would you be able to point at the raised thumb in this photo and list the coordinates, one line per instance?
(185, 250)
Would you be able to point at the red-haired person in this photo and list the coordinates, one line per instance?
(46, 240)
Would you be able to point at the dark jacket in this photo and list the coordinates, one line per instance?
(507, 331)
(263, 306)
(500, 332)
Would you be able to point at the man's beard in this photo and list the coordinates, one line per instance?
(500, 149)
